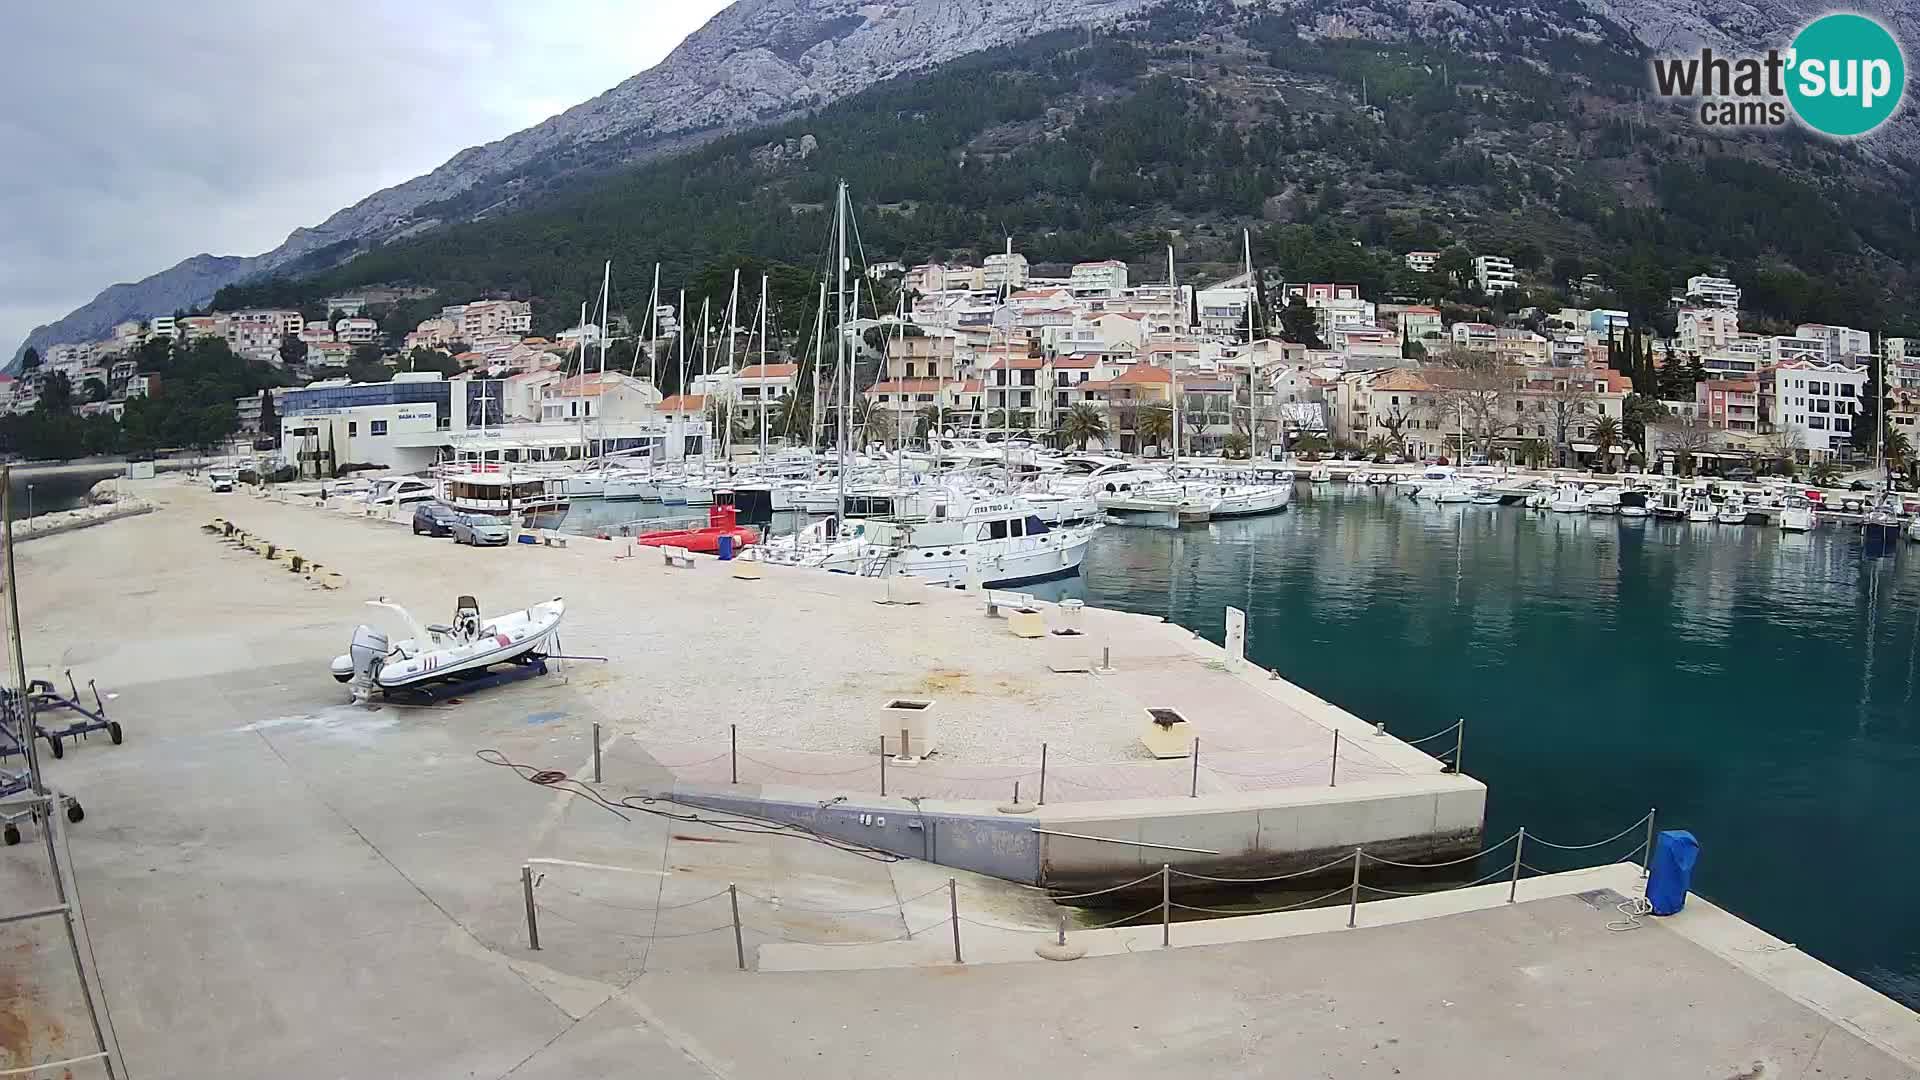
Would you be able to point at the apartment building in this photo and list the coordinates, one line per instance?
(1106, 276)
(1713, 291)
(356, 331)
(1729, 404)
(1494, 273)
(1422, 262)
(1004, 272)
(485, 318)
(1840, 342)
(1706, 329)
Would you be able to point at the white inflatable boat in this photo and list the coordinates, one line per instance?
(470, 645)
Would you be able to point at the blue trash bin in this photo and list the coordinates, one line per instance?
(1674, 854)
(726, 548)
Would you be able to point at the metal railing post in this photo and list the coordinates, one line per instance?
(953, 916)
(883, 766)
(733, 751)
(1646, 857)
(1333, 770)
(1459, 743)
(1166, 905)
(739, 946)
(1353, 895)
(1042, 801)
(1195, 754)
(596, 751)
(1519, 848)
(533, 923)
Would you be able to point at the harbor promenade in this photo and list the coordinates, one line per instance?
(279, 883)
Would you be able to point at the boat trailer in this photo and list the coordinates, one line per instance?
(13, 783)
(525, 666)
(47, 701)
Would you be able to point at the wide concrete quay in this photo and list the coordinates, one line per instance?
(278, 883)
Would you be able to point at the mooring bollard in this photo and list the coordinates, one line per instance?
(1519, 849)
(739, 946)
(1353, 896)
(533, 924)
(1166, 905)
(596, 751)
(1042, 801)
(953, 916)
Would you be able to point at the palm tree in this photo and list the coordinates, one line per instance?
(1154, 425)
(926, 420)
(1533, 452)
(1823, 474)
(997, 419)
(1378, 448)
(1236, 444)
(1899, 449)
(794, 419)
(1310, 442)
(1082, 424)
(1606, 436)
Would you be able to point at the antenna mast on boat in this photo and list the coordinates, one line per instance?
(840, 346)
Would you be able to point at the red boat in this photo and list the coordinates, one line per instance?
(722, 520)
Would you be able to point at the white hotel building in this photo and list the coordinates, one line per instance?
(1819, 399)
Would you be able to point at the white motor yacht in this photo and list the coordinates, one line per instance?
(1567, 499)
(1700, 508)
(996, 538)
(1799, 514)
(1669, 504)
(390, 491)
(1249, 500)
(1604, 501)
(1733, 510)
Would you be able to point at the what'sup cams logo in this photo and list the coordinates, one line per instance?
(1844, 76)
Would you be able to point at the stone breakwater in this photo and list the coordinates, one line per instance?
(65, 521)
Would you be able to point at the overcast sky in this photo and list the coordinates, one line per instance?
(137, 134)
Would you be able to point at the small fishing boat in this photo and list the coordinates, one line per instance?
(432, 654)
(1357, 476)
(1633, 504)
(1321, 474)
(1380, 478)
(1604, 501)
(1733, 511)
(1669, 504)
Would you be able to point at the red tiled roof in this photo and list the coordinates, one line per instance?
(1421, 311)
(768, 371)
(1400, 379)
(684, 403)
(1145, 373)
(1075, 363)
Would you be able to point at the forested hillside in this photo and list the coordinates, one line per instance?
(1341, 134)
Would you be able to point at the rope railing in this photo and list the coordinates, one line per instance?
(788, 905)
(1102, 892)
(1262, 880)
(1598, 843)
(1263, 911)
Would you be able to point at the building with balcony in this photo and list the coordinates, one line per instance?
(1105, 276)
(1494, 273)
(1713, 291)
(1729, 404)
(1422, 262)
(1819, 399)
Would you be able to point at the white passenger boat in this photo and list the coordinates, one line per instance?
(527, 500)
(1669, 504)
(469, 645)
(1799, 514)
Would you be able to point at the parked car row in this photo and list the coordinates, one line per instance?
(439, 519)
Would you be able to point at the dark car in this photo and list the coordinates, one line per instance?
(434, 519)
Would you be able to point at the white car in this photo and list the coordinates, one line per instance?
(220, 479)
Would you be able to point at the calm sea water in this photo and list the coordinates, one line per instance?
(1758, 688)
(51, 491)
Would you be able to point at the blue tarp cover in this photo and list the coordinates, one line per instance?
(1674, 854)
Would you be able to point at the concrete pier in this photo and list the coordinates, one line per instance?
(277, 883)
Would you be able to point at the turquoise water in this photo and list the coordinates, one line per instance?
(1757, 688)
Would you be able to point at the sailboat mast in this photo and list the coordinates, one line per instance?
(705, 444)
(819, 361)
(763, 369)
(1253, 393)
(840, 344)
(653, 331)
(680, 346)
(1173, 353)
(900, 415)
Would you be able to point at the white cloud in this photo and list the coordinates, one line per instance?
(139, 134)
